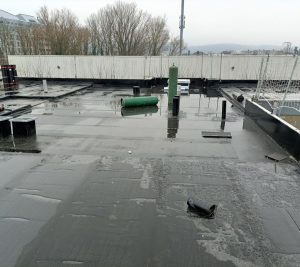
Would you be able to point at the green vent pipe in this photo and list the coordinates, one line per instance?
(173, 75)
(139, 101)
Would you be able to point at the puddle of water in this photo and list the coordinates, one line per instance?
(77, 202)
(25, 190)
(173, 125)
(15, 219)
(20, 144)
(145, 180)
(139, 111)
(41, 198)
(112, 217)
(79, 159)
(140, 201)
(81, 216)
(72, 262)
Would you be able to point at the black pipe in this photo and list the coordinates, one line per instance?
(136, 90)
(9, 76)
(224, 110)
(176, 105)
(202, 209)
(178, 101)
(223, 125)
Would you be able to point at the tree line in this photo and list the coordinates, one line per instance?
(117, 29)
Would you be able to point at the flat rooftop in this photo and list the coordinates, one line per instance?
(111, 190)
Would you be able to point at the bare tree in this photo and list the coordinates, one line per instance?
(6, 40)
(62, 32)
(32, 39)
(122, 29)
(159, 36)
(174, 46)
(94, 34)
(26, 39)
(18, 39)
(118, 29)
(83, 39)
(40, 44)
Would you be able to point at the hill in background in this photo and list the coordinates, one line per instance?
(218, 48)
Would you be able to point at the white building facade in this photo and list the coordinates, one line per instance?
(9, 39)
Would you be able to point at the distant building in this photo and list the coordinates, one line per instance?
(227, 52)
(16, 20)
(27, 19)
(10, 42)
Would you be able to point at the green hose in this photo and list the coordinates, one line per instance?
(139, 101)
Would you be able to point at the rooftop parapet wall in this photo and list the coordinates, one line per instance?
(214, 67)
(282, 132)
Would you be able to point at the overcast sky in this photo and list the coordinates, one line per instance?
(207, 21)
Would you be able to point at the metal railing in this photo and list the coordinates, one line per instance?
(279, 94)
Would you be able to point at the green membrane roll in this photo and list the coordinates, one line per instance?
(139, 101)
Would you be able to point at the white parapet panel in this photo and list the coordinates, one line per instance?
(223, 67)
(110, 67)
(44, 66)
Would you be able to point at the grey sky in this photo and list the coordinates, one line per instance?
(207, 21)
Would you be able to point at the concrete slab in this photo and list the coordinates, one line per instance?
(276, 156)
(35, 90)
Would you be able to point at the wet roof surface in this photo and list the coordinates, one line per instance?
(111, 190)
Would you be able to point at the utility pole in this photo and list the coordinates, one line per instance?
(181, 25)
